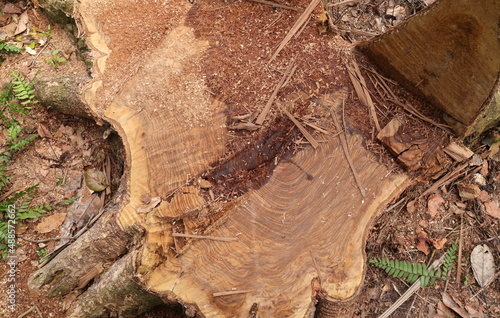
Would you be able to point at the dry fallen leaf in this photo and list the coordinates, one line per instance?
(43, 131)
(492, 209)
(444, 311)
(95, 180)
(438, 244)
(434, 204)
(450, 303)
(8, 30)
(483, 264)
(51, 223)
(421, 244)
(22, 24)
(11, 8)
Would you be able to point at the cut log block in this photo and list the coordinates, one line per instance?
(449, 54)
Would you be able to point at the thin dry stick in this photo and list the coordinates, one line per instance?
(321, 130)
(341, 3)
(34, 308)
(46, 240)
(412, 290)
(306, 134)
(215, 238)
(232, 292)
(289, 70)
(409, 108)
(276, 5)
(447, 178)
(460, 242)
(343, 141)
(482, 288)
(301, 20)
(289, 76)
(362, 90)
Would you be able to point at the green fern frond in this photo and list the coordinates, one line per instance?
(23, 90)
(6, 48)
(411, 272)
(449, 258)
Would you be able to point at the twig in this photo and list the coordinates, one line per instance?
(306, 134)
(46, 240)
(362, 90)
(329, 5)
(412, 290)
(215, 238)
(321, 130)
(449, 177)
(27, 312)
(343, 141)
(36, 57)
(482, 288)
(301, 20)
(409, 108)
(274, 4)
(394, 205)
(289, 70)
(460, 245)
(233, 292)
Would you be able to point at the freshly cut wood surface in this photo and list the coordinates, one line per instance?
(310, 211)
(310, 206)
(450, 54)
(150, 89)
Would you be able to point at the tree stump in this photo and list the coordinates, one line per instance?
(297, 238)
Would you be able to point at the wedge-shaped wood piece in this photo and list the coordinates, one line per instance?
(448, 53)
(415, 152)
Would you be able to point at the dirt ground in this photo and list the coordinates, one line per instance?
(416, 227)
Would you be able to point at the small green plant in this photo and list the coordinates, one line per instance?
(42, 254)
(415, 271)
(16, 100)
(54, 59)
(23, 90)
(70, 200)
(6, 48)
(22, 201)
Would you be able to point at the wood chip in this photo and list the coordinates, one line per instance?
(300, 21)
(288, 73)
(362, 91)
(446, 179)
(276, 5)
(458, 152)
(214, 238)
(232, 292)
(306, 134)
